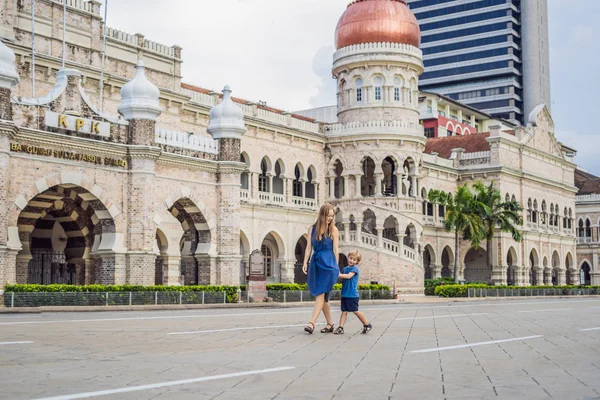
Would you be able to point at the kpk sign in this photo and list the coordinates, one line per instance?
(77, 124)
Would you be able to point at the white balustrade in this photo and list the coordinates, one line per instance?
(185, 140)
(587, 198)
(244, 194)
(390, 245)
(304, 202)
(368, 239)
(410, 253)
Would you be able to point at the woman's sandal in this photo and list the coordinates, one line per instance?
(339, 331)
(367, 328)
(326, 329)
(308, 328)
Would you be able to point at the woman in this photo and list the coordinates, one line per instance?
(323, 272)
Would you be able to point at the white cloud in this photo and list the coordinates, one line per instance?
(264, 49)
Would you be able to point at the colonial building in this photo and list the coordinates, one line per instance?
(114, 171)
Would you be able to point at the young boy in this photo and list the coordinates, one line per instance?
(350, 294)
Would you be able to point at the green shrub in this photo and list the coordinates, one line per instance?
(456, 290)
(431, 284)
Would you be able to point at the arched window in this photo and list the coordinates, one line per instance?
(556, 216)
(267, 259)
(263, 179)
(507, 198)
(535, 211)
(570, 224)
(565, 219)
(551, 218)
(529, 211)
(378, 83)
(544, 213)
(581, 230)
(297, 185)
(588, 228)
(397, 89)
(359, 90)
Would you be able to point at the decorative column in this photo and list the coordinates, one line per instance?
(345, 186)
(9, 78)
(399, 183)
(539, 276)
(254, 186)
(499, 274)
(357, 179)
(331, 187)
(436, 271)
(379, 231)
(270, 176)
(378, 178)
(227, 126)
(289, 190)
(347, 231)
(358, 223)
(140, 106)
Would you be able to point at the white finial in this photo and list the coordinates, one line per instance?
(9, 77)
(140, 97)
(226, 118)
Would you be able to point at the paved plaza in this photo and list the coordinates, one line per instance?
(512, 349)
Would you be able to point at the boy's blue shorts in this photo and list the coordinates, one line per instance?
(349, 304)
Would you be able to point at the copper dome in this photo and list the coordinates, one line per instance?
(372, 21)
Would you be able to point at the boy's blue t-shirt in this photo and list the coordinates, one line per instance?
(350, 286)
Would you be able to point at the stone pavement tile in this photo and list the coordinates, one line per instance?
(521, 390)
(473, 388)
(573, 394)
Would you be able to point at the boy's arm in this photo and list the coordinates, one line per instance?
(347, 276)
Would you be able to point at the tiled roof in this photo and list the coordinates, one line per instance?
(471, 143)
(586, 182)
(242, 101)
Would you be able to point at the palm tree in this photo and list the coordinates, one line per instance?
(497, 215)
(461, 217)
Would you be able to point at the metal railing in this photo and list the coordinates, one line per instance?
(483, 292)
(86, 299)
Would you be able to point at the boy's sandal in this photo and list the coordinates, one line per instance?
(309, 328)
(339, 331)
(367, 328)
(327, 329)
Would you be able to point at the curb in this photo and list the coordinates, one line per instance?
(169, 307)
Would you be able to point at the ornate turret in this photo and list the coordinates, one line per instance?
(227, 126)
(140, 105)
(377, 63)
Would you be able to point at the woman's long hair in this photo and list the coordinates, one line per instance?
(322, 227)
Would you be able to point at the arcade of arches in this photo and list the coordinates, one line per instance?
(537, 272)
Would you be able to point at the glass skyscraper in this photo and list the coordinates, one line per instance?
(489, 54)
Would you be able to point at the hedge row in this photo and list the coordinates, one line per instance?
(463, 290)
(230, 290)
(337, 286)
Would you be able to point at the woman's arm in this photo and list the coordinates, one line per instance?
(336, 239)
(308, 251)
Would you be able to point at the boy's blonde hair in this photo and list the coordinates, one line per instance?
(355, 254)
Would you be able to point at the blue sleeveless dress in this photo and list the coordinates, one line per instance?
(323, 270)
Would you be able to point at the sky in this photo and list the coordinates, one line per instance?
(280, 51)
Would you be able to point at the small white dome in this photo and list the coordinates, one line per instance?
(8, 72)
(140, 97)
(226, 118)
